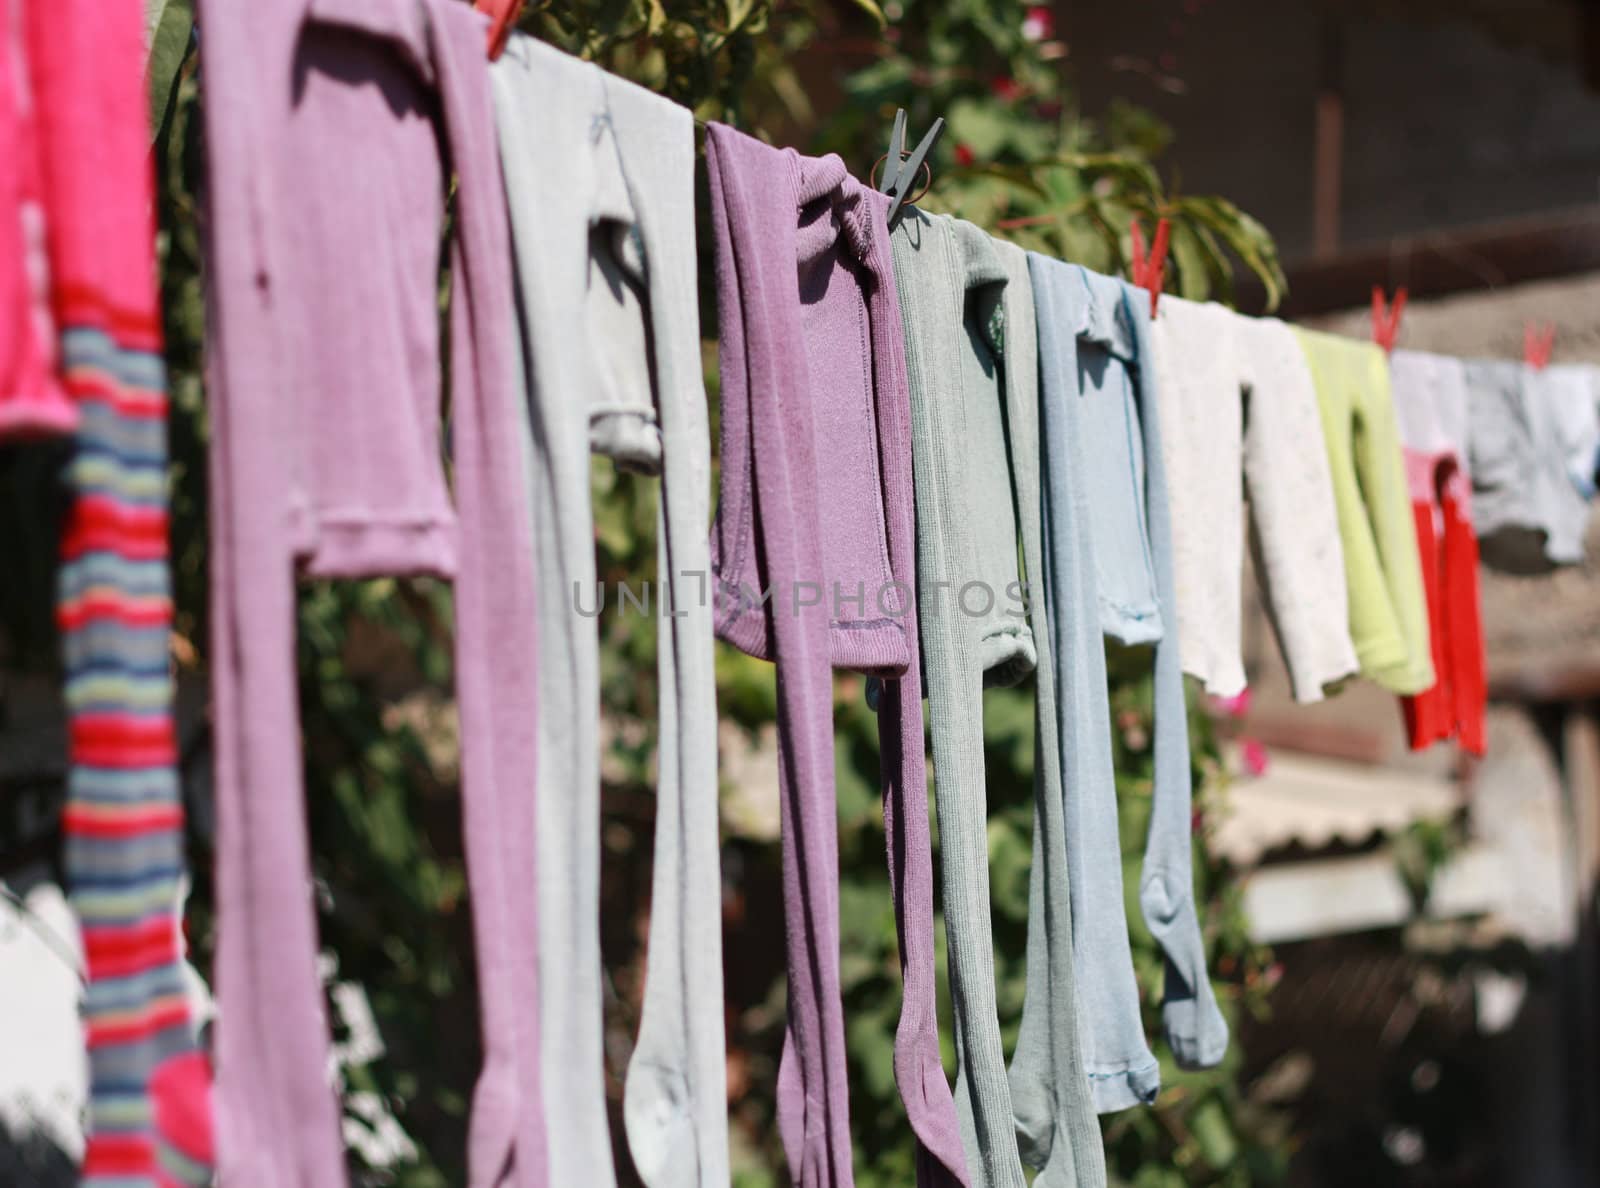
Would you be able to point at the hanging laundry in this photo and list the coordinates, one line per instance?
(81, 353)
(328, 128)
(1528, 513)
(1236, 397)
(1121, 1069)
(1110, 564)
(1430, 401)
(1056, 1126)
(1383, 573)
(600, 183)
(1567, 397)
(813, 555)
(51, 81)
(1125, 432)
(954, 299)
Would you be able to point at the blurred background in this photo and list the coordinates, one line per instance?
(1405, 944)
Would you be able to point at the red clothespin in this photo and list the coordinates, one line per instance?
(1537, 344)
(503, 16)
(1386, 318)
(1150, 271)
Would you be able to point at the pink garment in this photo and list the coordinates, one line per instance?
(331, 129)
(813, 551)
(58, 82)
(81, 355)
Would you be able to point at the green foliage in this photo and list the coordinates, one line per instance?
(1421, 850)
(169, 26)
(1017, 156)
(374, 657)
(700, 54)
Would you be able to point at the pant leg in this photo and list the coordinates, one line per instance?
(123, 849)
(1195, 1028)
(277, 1116)
(496, 626)
(942, 1160)
(545, 103)
(675, 1097)
(1056, 1125)
(1120, 1067)
(1463, 608)
(85, 350)
(1427, 714)
(755, 234)
(956, 430)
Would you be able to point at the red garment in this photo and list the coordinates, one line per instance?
(1455, 706)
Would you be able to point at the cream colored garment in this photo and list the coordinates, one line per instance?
(605, 264)
(1236, 398)
(1430, 403)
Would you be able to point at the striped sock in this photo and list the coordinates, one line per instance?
(124, 820)
(78, 72)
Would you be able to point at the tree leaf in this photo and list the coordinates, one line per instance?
(1131, 170)
(1245, 237)
(979, 125)
(877, 82)
(1220, 269)
(1212, 1131)
(870, 7)
(168, 28)
(1194, 280)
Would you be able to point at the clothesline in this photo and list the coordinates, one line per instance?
(946, 463)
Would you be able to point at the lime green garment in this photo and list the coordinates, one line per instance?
(1383, 570)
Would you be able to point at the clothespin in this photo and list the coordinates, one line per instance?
(503, 16)
(1150, 271)
(900, 172)
(1537, 344)
(1386, 318)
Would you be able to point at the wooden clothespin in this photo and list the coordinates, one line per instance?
(1386, 318)
(503, 16)
(1537, 344)
(1150, 271)
(900, 169)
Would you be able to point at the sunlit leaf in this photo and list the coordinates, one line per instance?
(870, 7)
(1188, 254)
(168, 28)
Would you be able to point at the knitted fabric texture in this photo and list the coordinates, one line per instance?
(812, 555)
(974, 630)
(81, 353)
(1104, 459)
(1383, 572)
(1430, 401)
(55, 75)
(606, 279)
(1121, 1069)
(328, 125)
(1057, 1129)
(1237, 398)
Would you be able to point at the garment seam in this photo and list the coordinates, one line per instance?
(869, 421)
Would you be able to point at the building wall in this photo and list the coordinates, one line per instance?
(1444, 124)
